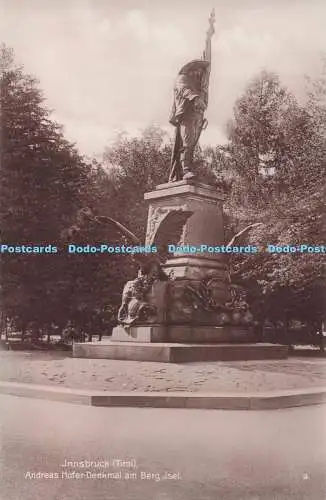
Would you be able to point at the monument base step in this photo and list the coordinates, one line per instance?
(178, 353)
(183, 334)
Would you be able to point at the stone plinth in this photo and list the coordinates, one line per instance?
(178, 353)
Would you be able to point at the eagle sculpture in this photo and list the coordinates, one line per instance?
(134, 305)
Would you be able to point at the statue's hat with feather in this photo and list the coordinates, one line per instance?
(195, 65)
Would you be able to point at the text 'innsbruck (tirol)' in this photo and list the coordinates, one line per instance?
(115, 469)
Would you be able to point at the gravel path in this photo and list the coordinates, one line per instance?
(99, 374)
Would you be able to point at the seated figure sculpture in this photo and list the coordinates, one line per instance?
(135, 305)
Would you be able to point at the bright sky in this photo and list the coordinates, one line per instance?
(109, 65)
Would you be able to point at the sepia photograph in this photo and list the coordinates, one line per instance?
(162, 250)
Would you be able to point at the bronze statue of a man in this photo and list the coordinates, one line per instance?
(189, 106)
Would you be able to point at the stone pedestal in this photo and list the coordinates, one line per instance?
(200, 272)
(192, 320)
(204, 228)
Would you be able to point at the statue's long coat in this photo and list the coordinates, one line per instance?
(185, 92)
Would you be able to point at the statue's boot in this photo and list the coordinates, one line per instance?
(186, 163)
